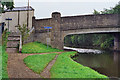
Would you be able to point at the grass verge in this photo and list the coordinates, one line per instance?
(38, 62)
(36, 47)
(0, 61)
(4, 64)
(4, 54)
(65, 67)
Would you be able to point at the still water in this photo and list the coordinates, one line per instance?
(107, 63)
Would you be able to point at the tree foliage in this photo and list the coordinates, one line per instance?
(114, 10)
(103, 41)
(24, 31)
(8, 5)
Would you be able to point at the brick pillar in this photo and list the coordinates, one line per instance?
(56, 39)
(117, 41)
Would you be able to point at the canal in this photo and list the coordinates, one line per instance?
(107, 62)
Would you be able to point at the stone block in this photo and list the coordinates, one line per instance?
(12, 38)
(12, 44)
(11, 50)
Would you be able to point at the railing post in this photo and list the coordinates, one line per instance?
(20, 46)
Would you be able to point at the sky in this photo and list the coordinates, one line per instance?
(44, 8)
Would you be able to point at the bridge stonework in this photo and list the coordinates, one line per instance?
(83, 24)
(117, 41)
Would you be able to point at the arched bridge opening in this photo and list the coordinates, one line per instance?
(110, 35)
(91, 41)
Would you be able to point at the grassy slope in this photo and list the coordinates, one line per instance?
(65, 67)
(36, 47)
(38, 62)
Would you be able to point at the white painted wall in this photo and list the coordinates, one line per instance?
(2, 17)
(14, 22)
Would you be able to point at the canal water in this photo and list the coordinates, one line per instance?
(107, 63)
(104, 62)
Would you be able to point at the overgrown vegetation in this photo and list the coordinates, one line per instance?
(4, 54)
(65, 67)
(38, 62)
(36, 47)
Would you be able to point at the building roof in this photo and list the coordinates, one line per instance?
(20, 9)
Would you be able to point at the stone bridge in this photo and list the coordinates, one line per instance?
(83, 24)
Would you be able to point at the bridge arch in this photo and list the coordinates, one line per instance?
(88, 31)
(114, 31)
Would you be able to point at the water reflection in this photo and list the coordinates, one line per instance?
(107, 63)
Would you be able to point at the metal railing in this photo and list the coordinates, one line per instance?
(31, 30)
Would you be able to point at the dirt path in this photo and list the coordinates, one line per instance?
(46, 71)
(17, 69)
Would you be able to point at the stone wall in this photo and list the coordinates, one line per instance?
(89, 21)
(62, 24)
(39, 24)
(30, 38)
(42, 37)
(41, 34)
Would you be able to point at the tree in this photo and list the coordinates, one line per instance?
(23, 31)
(9, 5)
(114, 10)
(96, 12)
(117, 8)
(68, 41)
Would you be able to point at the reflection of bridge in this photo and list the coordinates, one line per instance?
(62, 26)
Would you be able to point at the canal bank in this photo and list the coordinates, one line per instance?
(104, 62)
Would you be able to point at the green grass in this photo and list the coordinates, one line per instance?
(4, 64)
(38, 62)
(65, 67)
(4, 54)
(0, 62)
(36, 47)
